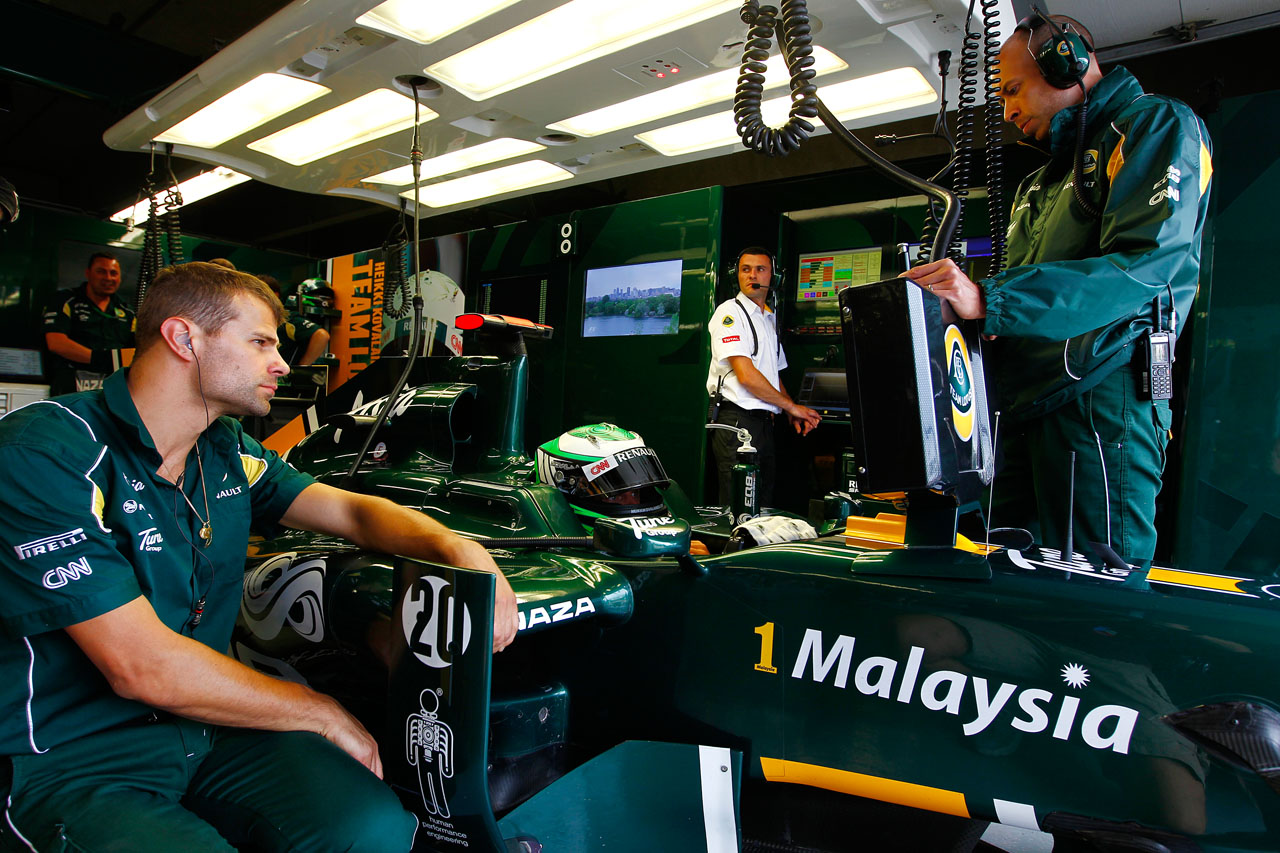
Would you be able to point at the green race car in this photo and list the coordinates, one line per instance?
(678, 685)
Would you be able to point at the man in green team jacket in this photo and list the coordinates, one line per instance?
(124, 517)
(1074, 304)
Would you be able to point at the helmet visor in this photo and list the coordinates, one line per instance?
(627, 469)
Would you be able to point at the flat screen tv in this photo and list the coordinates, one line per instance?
(821, 275)
(636, 299)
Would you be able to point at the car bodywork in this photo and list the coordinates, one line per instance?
(1114, 705)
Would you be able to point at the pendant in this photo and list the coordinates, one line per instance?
(206, 533)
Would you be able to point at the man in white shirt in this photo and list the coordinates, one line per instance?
(745, 359)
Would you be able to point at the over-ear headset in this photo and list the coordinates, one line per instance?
(1064, 57)
(776, 273)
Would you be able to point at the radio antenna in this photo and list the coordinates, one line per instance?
(1068, 548)
(991, 489)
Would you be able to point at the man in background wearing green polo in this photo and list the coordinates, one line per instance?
(88, 330)
(124, 516)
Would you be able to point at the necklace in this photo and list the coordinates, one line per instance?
(206, 523)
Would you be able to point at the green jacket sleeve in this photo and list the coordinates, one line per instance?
(58, 565)
(1157, 169)
(273, 483)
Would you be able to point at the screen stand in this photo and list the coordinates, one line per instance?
(931, 520)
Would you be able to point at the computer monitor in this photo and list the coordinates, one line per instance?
(516, 296)
(821, 275)
(21, 365)
(826, 390)
(635, 299)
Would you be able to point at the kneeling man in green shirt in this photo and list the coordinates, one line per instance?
(124, 517)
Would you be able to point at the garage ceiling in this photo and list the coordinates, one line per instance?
(72, 70)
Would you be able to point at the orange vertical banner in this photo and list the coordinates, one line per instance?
(356, 336)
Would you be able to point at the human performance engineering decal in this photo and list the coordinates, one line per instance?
(831, 663)
(429, 749)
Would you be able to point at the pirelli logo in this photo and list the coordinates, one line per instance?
(50, 543)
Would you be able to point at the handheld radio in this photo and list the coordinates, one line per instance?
(1157, 368)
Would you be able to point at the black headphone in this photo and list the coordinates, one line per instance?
(775, 273)
(1064, 57)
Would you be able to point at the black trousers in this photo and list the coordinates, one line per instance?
(724, 445)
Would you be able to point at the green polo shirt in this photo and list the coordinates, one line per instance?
(294, 334)
(86, 526)
(104, 331)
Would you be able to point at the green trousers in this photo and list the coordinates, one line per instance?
(177, 785)
(1119, 444)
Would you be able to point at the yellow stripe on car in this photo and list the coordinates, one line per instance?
(1220, 583)
(862, 785)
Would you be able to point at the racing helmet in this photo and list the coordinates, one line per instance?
(314, 294)
(604, 470)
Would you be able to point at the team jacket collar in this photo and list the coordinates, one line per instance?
(115, 389)
(1112, 92)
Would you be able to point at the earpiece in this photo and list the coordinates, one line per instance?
(186, 341)
(1064, 57)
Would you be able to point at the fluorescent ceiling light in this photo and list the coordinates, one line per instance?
(369, 116)
(691, 95)
(532, 173)
(192, 190)
(456, 161)
(577, 32)
(876, 93)
(263, 98)
(424, 22)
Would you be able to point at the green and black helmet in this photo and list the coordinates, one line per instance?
(315, 294)
(604, 470)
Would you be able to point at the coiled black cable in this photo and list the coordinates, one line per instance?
(164, 229)
(966, 120)
(1077, 183)
(796, 42)
(933, 214)
(172, 202)
(961, 163)
(993, 124)
(173, 234)
(798, 53)
(152, 259)
(397, 287)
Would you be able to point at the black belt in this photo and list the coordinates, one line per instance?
(762, 414)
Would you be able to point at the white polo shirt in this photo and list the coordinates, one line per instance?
(731, 334)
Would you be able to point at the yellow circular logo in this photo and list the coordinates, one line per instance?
(960, 383)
